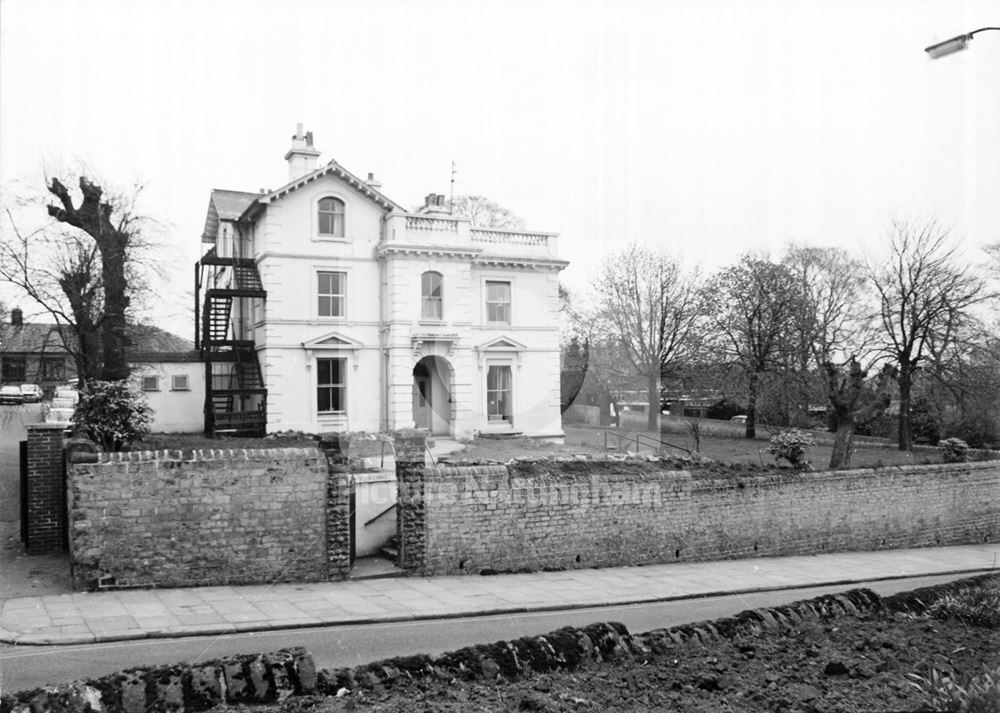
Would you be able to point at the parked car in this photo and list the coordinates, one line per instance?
(10, 395)
(31, 393)
(739, 418)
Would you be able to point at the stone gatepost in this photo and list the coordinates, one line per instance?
(411, 527)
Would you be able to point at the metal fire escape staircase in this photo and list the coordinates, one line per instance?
(235, 393)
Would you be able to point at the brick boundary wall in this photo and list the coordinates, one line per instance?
(46, 496)
(207, 517)
(485, 519)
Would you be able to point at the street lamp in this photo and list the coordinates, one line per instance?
(955, 44)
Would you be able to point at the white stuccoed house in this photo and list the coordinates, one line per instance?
(327, 306)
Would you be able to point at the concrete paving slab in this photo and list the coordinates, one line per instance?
(82, 618)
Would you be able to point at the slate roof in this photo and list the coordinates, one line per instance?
(225, 205)
(31, 338)
(39, 337)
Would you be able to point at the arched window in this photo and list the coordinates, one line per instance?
(431, 294)
(331, 217)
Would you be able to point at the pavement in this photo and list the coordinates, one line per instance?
(165, 613)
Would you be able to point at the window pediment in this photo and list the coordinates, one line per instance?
(333, 341)
(502, 343)
(500, 346)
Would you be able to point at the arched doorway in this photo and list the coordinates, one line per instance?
(432, 400)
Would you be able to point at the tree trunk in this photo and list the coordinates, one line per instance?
(905, 428)
(851, 408)
(843, 443)
(113, 330)
(754, 379)
(653, 409)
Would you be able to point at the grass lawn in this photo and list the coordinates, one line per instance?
(591, 441)
(579, 441)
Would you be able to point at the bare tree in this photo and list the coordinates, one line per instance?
(650, 306)
(751, 309)
(485, 213)
(833, 320)
(854, 404)
(926, 295)
(82, 271)
(833, 317)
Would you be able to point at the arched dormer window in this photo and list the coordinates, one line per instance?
(431, 294)
(331, 217)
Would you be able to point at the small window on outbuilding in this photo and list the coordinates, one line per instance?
(14, 369)
(53, 368)
(179, 382)
(150, 383)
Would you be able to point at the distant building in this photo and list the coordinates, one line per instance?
(327, 306)
(164, 365)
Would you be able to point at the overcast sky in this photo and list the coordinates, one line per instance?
(710, 128)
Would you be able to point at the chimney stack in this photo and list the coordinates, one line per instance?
(302, 156)
(16, 317)
(372, 183)
(434, 203)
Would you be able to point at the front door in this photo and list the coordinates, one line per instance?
(422, 397)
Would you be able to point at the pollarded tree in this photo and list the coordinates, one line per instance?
(750, 309)
(925, 299)
(855, 403)
(649, 304)
(82, 271)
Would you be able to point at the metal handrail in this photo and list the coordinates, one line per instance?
(384, 512)
(383, 441)
(641, 439)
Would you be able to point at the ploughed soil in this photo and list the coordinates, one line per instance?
(848, 661)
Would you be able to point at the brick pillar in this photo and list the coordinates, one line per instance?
(338, 522)
(46, 490)
(411, 526)
(338, 505)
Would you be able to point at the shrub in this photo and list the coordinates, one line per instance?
(925, 424)
(113, 414)
(954, 450)
(791, 445)
(968, 694)
(974, 605)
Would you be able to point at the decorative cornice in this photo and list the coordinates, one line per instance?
(469, 253)
(524, 262)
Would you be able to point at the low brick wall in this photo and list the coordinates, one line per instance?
(211, 517)
(476, 518)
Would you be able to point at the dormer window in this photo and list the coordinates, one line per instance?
(331, 217)
(431, 296)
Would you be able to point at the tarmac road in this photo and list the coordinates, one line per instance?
(26, 667)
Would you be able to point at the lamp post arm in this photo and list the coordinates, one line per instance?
(982, 29)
